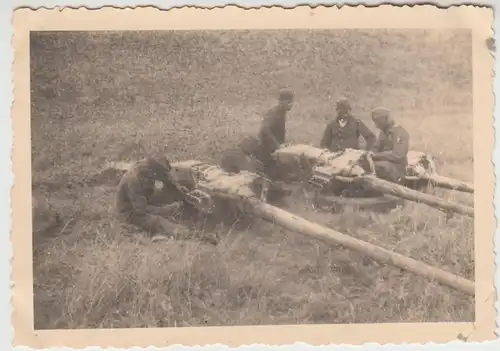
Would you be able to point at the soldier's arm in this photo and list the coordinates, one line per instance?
(139, 201)
(378, 145)
(168, 209)
(169, 179)
(182, 189)
(161, 210)
(174, 205)
(400, 149)
(402, 145)
(369, 136)
(326, 140)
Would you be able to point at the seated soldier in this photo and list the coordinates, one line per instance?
(135, 191)
(391, 149)
(344, 131)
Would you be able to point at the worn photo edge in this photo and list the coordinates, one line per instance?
(479, 19)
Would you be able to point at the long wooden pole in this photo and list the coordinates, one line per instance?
(413, 195)
(302, 226)
(448, 183)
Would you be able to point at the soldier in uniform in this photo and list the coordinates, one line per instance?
(391, 149)
(135, 190)
(272, 133)
(345, 130)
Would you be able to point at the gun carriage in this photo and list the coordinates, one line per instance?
(211, 190)
(348, 178)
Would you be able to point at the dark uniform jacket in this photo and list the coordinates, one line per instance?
(273, 130)
(136, 188)
(393, 146)
(337, 137)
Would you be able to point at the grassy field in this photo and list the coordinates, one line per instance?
(100, 97)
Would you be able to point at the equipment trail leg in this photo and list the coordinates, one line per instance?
(302, 226)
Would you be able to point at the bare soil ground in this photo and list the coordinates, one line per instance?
(118, 96)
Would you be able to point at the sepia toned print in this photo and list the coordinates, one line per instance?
(190, 171)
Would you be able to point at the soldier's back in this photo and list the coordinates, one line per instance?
(122, 201)
(401, 131)
(133, 183)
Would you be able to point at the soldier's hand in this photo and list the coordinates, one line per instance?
(376, 155)
(183, 189)
(369, 154)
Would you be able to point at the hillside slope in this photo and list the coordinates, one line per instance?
(98, 97)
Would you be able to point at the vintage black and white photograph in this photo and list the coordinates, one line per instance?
(242, 177)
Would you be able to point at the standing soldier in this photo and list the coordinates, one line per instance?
(391, 149)
(135, 191)
(272, 132)
(344, 131)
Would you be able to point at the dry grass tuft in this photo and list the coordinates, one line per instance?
(118, 96)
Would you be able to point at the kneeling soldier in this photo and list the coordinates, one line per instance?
(135, 191)
(391, 149)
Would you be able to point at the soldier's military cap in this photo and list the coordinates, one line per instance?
(343, 102)
(380, 111)
(382, 114)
